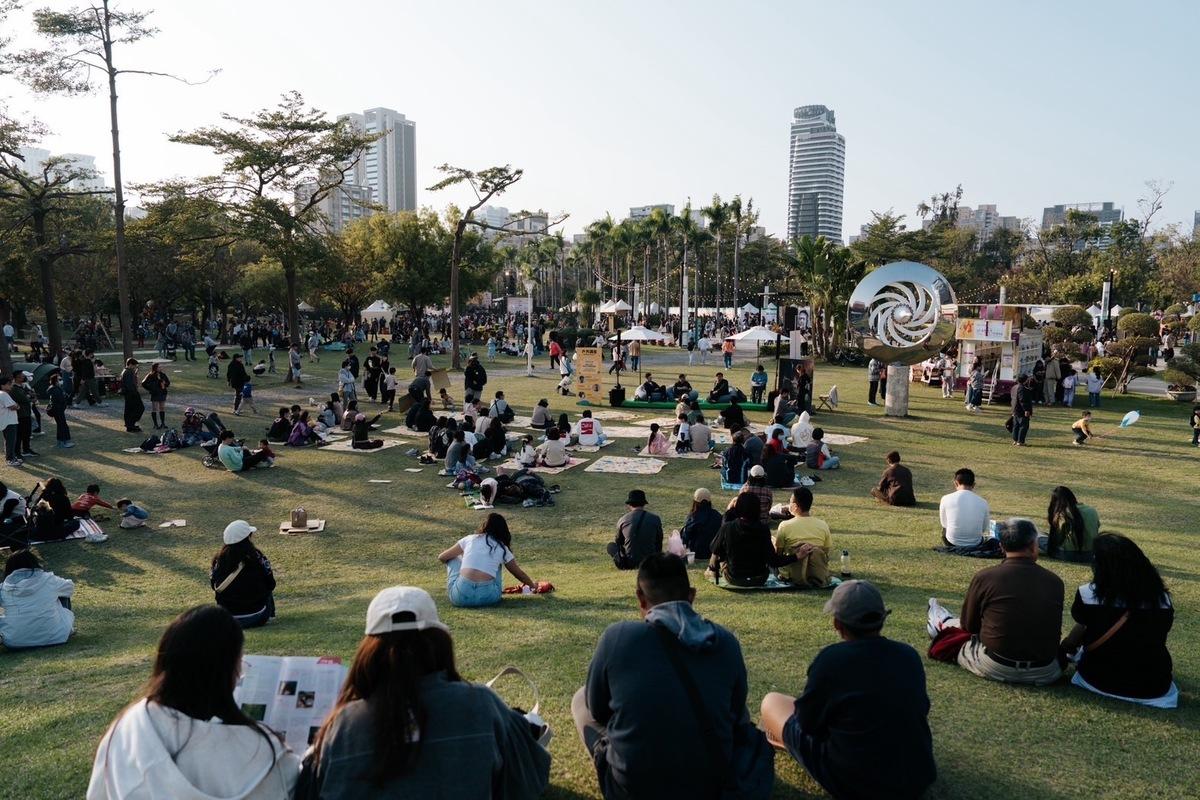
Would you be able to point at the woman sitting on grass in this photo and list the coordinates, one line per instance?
(407, 725)
(37, 604)
(541, 419)
(54, 518)
(361, 438)
(657, 444)
(702, 525)
(742, 551)
(242, 578)
(1073, 527)
(475, 563)
(186, 737)
(553, 451)
(1122, 620)
(303, 432)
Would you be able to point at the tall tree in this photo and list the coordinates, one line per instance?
(409, 251)
(827, 273)
(485, 184)
(82, 41)
(279, 164)
(40, 206)
(717, 215)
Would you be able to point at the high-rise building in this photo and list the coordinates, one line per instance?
(1105, 214)
(985, 220)
(341, 206)
(388, 167)
(816, 174)
(89, 180)
(641, 212)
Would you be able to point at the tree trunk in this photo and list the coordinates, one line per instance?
(717, 280)
(293, 309)
(118, 196)
(455, 256)
(737, 247)
(5, 353)
(45, 268)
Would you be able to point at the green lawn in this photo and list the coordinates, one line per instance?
(990, 740)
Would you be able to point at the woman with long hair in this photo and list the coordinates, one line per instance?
(742, 551)
(1122, 620)
(241, 577)
(1073, 526)
(657, 443)
(186, 737)
(54, 518)
(475, 563)
(156, 383)
(407, 725)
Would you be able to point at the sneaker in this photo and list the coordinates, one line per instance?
(96, 538)
(872, 404)
(14, 462)
(28, 453)
(39, 433)
(67, 444)
(937, 617)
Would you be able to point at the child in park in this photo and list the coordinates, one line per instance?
(1196, 425)
(1082, 428)
(758, 384)
(214, 368)
(132, 515)
(389, 388)
(83, 505)
(447, 401)
(248, 396)
(683, 441)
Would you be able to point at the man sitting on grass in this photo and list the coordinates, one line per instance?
(639, 533)
(807, 538)
(861, 726)
(665, 700)
(964, 515)
(1011, 619)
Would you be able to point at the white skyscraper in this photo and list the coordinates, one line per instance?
(388, 167)
(817, 174)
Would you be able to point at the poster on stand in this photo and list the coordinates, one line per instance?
(589, 374)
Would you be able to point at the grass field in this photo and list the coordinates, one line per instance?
(990, 740)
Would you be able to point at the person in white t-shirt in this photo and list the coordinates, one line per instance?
(8, 422)
(553, 451)
(590, 432)
(475, 563)
(701, 434)
(964, 514)
(704, 346)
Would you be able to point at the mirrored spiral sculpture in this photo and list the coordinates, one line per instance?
(903, 313)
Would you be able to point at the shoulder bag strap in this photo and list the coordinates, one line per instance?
(716, 755)
(230, 578)
(1111, 632)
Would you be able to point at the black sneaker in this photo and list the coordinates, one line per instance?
(134, 429)
(30, 453)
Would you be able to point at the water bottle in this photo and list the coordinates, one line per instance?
(845, 563)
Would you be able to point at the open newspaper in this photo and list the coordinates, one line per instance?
(292, 695)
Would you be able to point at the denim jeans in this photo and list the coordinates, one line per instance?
(833, 462)
(259, 618)
(1094, 399)
(10, 442)
(1020, 428)
(728, 360)
(471, 594)
(1069, 397)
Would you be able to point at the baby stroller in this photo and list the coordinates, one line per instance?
(169, 347)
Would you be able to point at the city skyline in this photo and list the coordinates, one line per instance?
(596, 134)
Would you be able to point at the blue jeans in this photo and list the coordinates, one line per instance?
(833, 462)
(1069, 397)
(1094, 399)
(257, 619)
(68, 384)
(1020, 428)
(635, 361)
(471, 594)
(728, 360)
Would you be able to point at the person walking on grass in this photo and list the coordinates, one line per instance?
(23, 396)
(1022, 409)
(237, 377)
(57, 410)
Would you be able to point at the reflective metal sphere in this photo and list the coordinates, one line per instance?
(903, 312)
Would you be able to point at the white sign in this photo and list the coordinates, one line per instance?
(518, 305)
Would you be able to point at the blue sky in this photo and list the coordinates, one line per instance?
(612, 104)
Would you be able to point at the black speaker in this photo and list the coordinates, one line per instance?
(789, 319)
(616, 396)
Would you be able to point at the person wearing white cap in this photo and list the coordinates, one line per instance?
(701, 525)
(756, 484)
(407, 725)
(186, 738)
(865, 703)
(241, 577)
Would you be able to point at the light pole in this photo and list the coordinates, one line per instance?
(529, 284)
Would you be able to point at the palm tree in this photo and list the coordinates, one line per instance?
(827, 272)
(735, 213)
(659, 223)
(685, 228)
(600, 232)
(645, 240)
(717, 215)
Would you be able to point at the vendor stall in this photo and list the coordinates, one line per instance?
(1004, 338)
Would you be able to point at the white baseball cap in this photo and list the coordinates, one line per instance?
(237, 531)
(402, 608)
(757, 471)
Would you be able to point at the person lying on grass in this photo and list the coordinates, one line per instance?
(475, 564)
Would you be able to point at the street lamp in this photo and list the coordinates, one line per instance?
(529, 284)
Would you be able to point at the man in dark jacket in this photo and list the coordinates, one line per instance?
(237, 377)
(639, 533)
(131, 391)
(896, 485)
(474, 379)
(1022, 409)
(374, 367)
(639, 719)
(85, 377)
(22, 395)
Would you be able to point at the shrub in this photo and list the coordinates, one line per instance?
(1139, 325)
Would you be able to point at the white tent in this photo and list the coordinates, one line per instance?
(655, 308)
(1117, 311)
(639, 333)
(759, 333)
(749, 308)
(607, 307)
(377, 310)
(620, 306)
(305, 307)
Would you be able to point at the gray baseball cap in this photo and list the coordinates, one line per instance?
(857, 604)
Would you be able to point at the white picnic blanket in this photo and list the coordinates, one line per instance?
(514, 465)
(346, 447)
(843, 438)
(590, 448)
(401, 430)
(626, 466)
(645, 451)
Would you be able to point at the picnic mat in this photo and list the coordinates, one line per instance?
(517, 422)
(773, 584)
(843, 438)
(626, 466)
(590, 448)
(345, 447)
(401, 430)
(78, 535)
(612, 413)
(514, 465)
(645, 451)
(626, 432)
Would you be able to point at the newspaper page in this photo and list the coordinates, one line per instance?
(292, 695)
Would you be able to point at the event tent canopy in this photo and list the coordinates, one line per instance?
(750, 308)
(639, 333)
(305, 307)
(377, 310)
(759, 333)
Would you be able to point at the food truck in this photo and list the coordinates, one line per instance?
(1004, 337)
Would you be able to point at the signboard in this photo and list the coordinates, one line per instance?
(984, 330)
(589, 373)
(517, 305)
